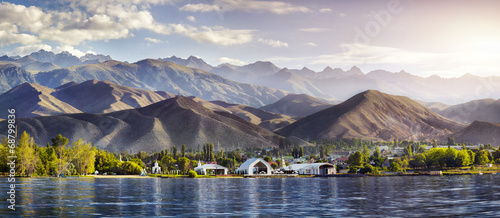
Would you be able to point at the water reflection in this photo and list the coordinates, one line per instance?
(371, 196)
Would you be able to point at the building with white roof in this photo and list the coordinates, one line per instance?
(218, 169)
(255, 166)
(313, 168)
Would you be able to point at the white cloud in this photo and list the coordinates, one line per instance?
(275, 7)
(342, 14)
(314, 30)
(325, 10)
(71, 50)
(153, 40)
(28, 49)
(214, 35)
(98, 20)
(191, 18)
(9, 34)
(312, 44)
(273, 43)
(231, 61)
(355, 54)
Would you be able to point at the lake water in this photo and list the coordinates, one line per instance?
(367, 196)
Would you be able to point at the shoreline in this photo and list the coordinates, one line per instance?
(260, 176)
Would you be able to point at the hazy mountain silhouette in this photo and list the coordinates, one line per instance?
(165, 76)
(297, 105)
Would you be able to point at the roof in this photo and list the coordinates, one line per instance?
(342, 159)
(210, 167)
(252, 162)
(307, 165)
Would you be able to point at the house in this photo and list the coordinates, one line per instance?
(254, 166)
(341, 162)
(313, 168)
(217, 169)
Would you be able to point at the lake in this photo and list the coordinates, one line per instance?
(365, 196)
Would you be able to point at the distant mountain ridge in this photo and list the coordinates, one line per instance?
(159, 75)
(331, 83)
(335, 83)
(47, 60)
(482, 109)
(297, 105)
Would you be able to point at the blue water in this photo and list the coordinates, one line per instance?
(296, 197)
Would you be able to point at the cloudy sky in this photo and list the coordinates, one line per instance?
(447, 38)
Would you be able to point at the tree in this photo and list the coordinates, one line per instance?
(356, 159)
(463, 158)
(59, 143)
(451, 141)
(435, 157)
(482, 157)
(174, 152)
(138, 162)
(168, 162)
(268, 159)
(301, 153)
(105, 161)
(377, 154)
(183, 150)
(86, 159)
(26, 155)
(419, 161)
(434, 143)
(3, 155)
(68, 155)
(274, 165)
(184, 164)
(450, 157)
(409, 151)
(128, 168)
(395, 167)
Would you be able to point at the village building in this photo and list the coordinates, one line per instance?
(313, 168)
(342, 162)
(255, 166)
(156, 169)
(217, 169)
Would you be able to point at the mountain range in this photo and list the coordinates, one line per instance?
(294, 103)
(175, 121)
(337, 84)
(93, 96)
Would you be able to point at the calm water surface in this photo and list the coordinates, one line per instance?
(385, 196)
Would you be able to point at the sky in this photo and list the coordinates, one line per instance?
(444, 38)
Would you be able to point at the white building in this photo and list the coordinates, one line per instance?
(218, 169)
(255, 166)
(156, 169)
(313, 168)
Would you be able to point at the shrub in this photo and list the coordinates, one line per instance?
(366, 169)
(192, 174)
(353, 170)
